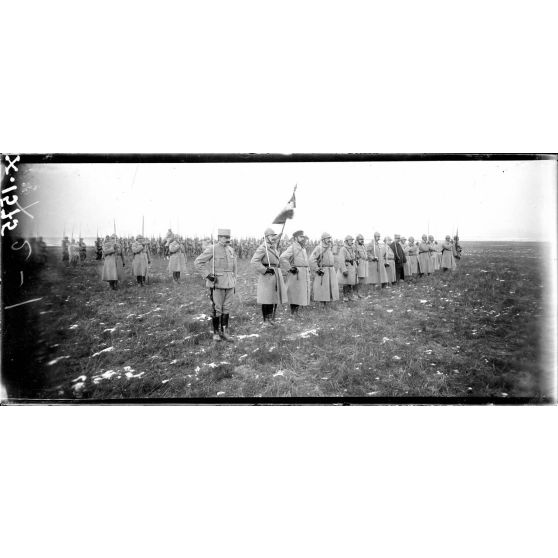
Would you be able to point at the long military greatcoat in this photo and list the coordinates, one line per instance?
(271, 288)
(177, 260)
(112, 266)
(407, 264)
(298, 284)
(139, 260)
(362, 258)
(448, 259)
(425, 261)
(325, 287)
(390, 259)
(436, 256)
(347, 263)
(412, 259)
(377, 273)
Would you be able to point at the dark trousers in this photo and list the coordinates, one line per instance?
(268, 311)
(399, 271)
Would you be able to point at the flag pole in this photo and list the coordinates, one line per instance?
(142, 225)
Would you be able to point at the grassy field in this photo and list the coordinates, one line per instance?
(472, 333)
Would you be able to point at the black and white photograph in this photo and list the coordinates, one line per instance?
(278, 280)
(306, 278)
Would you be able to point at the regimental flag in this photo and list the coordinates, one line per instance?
(288, 211)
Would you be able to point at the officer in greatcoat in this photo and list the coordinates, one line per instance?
(217, 263)
(399, 257)
(271, 289)
(140, 260)
(112, 252)
(325, 286)
(347, 271)
(377, 274)
(295, 265)
(177, 258)
(424, 259)
(448, 256)
(362, 265)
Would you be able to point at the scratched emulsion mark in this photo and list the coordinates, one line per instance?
(8, 199)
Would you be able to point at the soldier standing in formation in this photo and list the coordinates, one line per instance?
(326, 288)
(74, 253)
(99, 249)
(168, 239)
(65, 250)
(362, 265)
(425, 261)
(82, 250)
(271, 289)
(177, 261)
(377, 274)
(140, 260)
(294, 263)
(435, 262)
(389, 258)
(400, 258)
(217, 263)
(111, 268)
(412, 257)
(346, 275)
(448, 258)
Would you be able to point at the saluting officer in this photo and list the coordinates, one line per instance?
(346, 274)
(217, 263)
(294, 263)
(326, 288)
(271, 285)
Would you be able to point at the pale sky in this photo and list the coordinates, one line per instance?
(487, 200)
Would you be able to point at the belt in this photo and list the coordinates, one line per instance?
(350, 261)
(326, 266)
(300, 265)
(272, 265)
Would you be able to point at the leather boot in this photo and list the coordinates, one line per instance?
(225, 328)
(216, 334)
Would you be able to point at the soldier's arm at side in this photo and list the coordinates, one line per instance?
(285, 259)
(314, 258)
(341, 260)
(256, 261)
